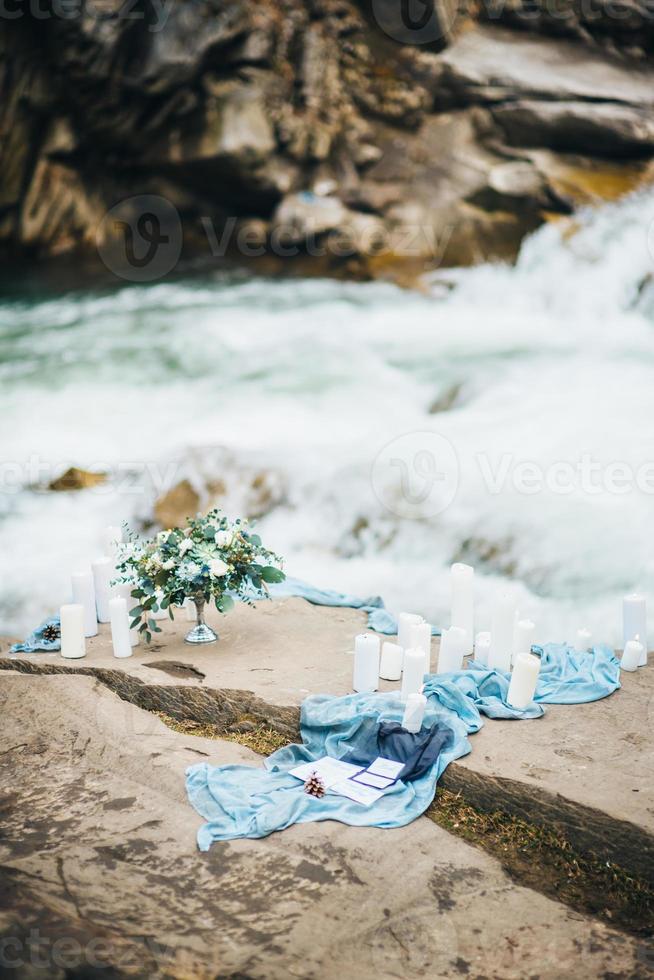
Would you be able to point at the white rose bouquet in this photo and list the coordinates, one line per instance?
(210, 560)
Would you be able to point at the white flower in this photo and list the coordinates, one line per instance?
(185, 546)
(189, 570)
(218, 567)
(223, 538)
(155, 558)
(162, 536)
(167, 565)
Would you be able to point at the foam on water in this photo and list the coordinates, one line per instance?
(554, 358)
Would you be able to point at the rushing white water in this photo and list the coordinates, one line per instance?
(312, 379)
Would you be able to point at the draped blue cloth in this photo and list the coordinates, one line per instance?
(379, 618)
(243, 801)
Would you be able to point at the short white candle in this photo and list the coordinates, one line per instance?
(502, 630)
(111, 538)
(523, 637)
(453, 645)
(420, 638)
(103, 572)
(634, 620)
(84, 595)
(583, 641)
(366, 663)
(414, 672)
(414, 712)
(120, 627)
(462, 580)
(632, 655)
(482, 648)
(524, 678)
(73, 644)
(124, 589)
(404, 623)
(392, 656)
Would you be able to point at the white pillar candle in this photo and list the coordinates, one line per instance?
(414, 672)
(73, 644)
(453, 645)
(391, 661)
(366, 663)
(523, 637)
(632, 655)
(84, 595)
(404, 623)
(414, 712)
(482, 648)
(125, 590)
(420, 639)
(502, 630)
(462, 580)
(120, 627)
(103, 572)
(111, 538)
(524, 678)
(583, 641)
(634, 620)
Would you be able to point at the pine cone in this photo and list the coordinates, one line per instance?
(314, 786)
(51, 633)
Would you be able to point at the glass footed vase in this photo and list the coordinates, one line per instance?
(201, 633)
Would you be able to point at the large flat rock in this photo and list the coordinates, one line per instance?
(587, 768)
(100, 869)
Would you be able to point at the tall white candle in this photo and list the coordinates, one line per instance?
(404, 623)
(414, 712)
(632, 655)
(120, 627)
(634, 620)
(502, 630)
(453, 645)
(125, 590)
(523, 637)
(366, 663)
(482, 648)
(414, 672)
(103, 572)
(73, 644)
(84, 595)
(583, 640)
(462, 580)
(420, 638)
(524, 678)
(111, 538)
(391, 661)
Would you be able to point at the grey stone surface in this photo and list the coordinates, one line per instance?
(587, 768)
(99, 867)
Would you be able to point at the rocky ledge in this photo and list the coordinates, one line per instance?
(313, 136)
(552, 772)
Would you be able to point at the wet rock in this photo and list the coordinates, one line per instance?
(174, 507)
(447, 400)
(577, 127)
(77, 479)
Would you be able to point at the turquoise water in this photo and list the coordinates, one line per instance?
(326, 387)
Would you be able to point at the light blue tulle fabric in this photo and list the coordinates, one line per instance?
(243, 801)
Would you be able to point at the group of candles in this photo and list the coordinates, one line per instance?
(96, 600)
(507, 647)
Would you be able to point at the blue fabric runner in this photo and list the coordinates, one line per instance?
(379, 618)
(243, 801)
